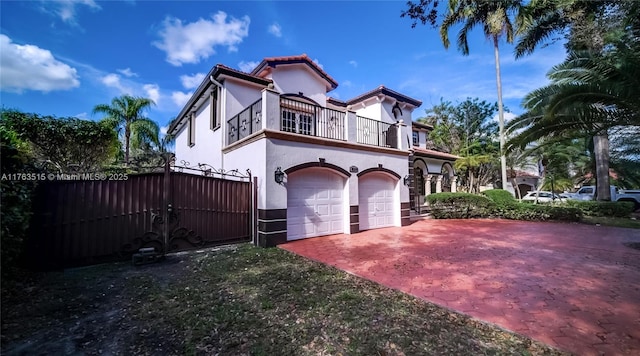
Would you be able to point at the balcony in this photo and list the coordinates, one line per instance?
(298, 116)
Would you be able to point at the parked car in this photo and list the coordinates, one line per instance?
(543, 197)
(587, 192)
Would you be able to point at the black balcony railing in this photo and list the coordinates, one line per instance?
(377, 133)
(309, 119)
(245, 123)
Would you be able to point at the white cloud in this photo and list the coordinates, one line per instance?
(347, 83)
(317, 62)
(247, 66)
(28, 67)
(164, 130)
(66, 10)
(354, 63)
(82, 116)
(113, 80)
(129, 87)
(275, 29)
(127, 72)
(192, 42)
(192, 81)
(152, 91)
(508, 116)
(180, 98)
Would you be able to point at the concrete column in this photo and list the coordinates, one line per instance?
(454, 186)
(402, 131)
(427, 184)
(439, 184)
(351, 126)
(270, 109)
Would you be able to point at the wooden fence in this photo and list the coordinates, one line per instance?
(91, 221)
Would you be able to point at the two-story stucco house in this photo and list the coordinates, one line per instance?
(324, 166)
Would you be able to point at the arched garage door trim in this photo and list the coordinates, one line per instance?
(338, 169)
(379, 169)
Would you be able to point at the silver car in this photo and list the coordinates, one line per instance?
(543, 197)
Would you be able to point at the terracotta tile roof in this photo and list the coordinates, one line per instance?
(336, 102)
(435, 154)
(382, 90)
(223, 69)
(303, 58)
(520, 174)
(421, 125)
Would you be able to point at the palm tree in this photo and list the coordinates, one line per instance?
(539, 20)
(589, 95)
(127, 112)
(494, 17)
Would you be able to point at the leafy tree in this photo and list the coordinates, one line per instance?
(495, 18)
(580, 22)
(467, 130)
(64, 144)
(127, 113)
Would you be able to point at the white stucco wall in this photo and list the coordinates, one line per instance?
(251, 156)
(287, 154)
(208, 143)
(371, 110)
(239, 96)
(299, 78)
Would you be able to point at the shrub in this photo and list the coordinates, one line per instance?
(460, 206)
(500, 196)
(465, 205)
(15, 195)
(620, 209)
(533, 212)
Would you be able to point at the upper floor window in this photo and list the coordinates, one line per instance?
(192, 130)
(416, 139)
(213, 109)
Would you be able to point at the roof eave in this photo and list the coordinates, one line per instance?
(215, 72)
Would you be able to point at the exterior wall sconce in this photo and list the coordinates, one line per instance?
(279, 175)
(406, 180)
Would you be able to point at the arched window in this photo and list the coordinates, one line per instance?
(447, 173)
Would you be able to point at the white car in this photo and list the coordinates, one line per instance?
(543, 197)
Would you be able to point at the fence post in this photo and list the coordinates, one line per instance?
(166, 203)
(254, 212)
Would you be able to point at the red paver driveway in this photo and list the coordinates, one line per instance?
(573, 286)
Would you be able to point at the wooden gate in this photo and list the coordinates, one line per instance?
(81, 222)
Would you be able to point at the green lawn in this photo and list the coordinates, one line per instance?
(239, 301)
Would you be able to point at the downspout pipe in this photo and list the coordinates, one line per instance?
(220, 100)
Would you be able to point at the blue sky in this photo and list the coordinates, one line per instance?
(63, 57)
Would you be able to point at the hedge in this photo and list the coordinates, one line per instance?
(500, 196)
(465, 205)
(620, 209)
(460, 206)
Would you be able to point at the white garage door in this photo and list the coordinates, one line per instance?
(377, 208)
(314, 204)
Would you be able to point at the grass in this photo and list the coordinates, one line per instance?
(611, 221)
(251, 301)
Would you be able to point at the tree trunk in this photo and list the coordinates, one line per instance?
(516, 191)
(601, 151)
(503, 158)
(127, 137)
